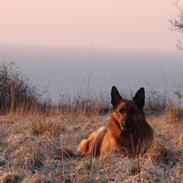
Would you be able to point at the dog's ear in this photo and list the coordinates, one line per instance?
(115, 96)
(140, 98)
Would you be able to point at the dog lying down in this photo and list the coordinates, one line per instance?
(127, 130)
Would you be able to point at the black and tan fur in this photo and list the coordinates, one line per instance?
(127, 129)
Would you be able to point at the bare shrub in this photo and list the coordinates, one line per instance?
(15, 90)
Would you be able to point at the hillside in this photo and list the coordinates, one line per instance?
(29, 150)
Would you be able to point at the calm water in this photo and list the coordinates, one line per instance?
(92, 71)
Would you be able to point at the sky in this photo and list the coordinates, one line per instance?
(139, 24)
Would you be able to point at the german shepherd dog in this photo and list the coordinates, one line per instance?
(127, 129)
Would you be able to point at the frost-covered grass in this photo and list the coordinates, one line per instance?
(29, 149)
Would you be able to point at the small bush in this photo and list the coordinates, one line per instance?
(15, 90)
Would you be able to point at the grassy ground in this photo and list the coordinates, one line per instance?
(31, 133)
(29, 149)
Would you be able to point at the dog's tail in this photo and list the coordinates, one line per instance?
(68, 153)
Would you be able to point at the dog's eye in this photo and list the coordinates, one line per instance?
(127, 125)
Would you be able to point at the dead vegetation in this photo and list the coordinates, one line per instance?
(29, 150)
(30, 138)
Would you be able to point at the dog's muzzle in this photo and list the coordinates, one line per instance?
(126, 126)
(123, 124)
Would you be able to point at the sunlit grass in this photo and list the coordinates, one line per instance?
(31, 135)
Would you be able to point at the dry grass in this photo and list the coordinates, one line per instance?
(29, 149)
(32, 132)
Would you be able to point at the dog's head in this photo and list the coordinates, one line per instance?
(128, 113)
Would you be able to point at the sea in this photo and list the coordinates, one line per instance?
(86, 72)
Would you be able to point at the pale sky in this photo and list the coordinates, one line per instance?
(139, 24)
